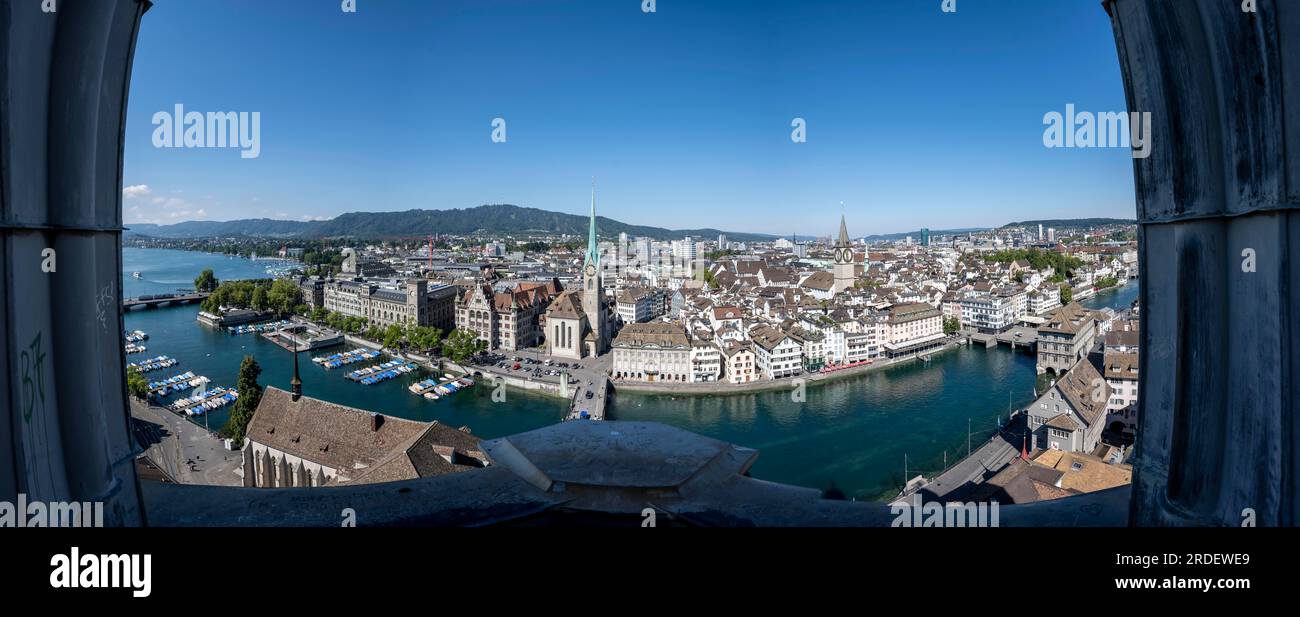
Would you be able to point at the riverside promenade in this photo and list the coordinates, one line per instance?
(182, 449)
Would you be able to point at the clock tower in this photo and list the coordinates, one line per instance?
(844, 268)
(593, 293)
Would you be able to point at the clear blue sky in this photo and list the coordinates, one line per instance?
(916, 118)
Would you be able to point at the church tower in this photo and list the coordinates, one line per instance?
(844, 275)
(593, 293)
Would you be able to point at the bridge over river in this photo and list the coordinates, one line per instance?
(152, 301)
(1019, 336)
(594, 406)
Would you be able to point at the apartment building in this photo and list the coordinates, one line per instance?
(1066, 337)
(776, 355)
(1071, 415)
(740, 364)
(1121, 371)
(706, 361)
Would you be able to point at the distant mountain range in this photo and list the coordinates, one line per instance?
(1071, 223)
(501, 219)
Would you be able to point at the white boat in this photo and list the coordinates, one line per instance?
(137, 275)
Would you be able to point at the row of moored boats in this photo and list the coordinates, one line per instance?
(360, 374)
(382, 376)
(134, 348)
(135, 336)
(431, 390)
(203, 402)
(174, 384)
(153, 364)
(346, 358)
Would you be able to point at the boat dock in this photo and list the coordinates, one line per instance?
(174, 384)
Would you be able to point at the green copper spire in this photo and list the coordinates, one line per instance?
(593, 253)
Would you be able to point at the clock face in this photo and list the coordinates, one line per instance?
(846, 255)
(591, 270)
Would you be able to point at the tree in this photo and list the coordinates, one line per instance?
(206, 281)
(425, 338)
(136, 384)
(284, 296)
(951, 325)
(250, 394)
(259, 299)
(460, 345)
(392, 336)
(1067, 294)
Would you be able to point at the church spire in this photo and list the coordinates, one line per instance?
(295, 384)
(593, 252)
(844, 232)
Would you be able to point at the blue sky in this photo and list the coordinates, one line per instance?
(916, 118)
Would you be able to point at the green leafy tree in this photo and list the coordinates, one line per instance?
(460, 345)
(136, 384)
(259, 300)
(1067, 294)
(206, 281)
(425, 338)
(250, 394)
(951, 325)
(283, 296)
(392, 336)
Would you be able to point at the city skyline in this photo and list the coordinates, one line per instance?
(694, 134)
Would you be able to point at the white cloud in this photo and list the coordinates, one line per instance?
(136, 190)
(145, 207)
